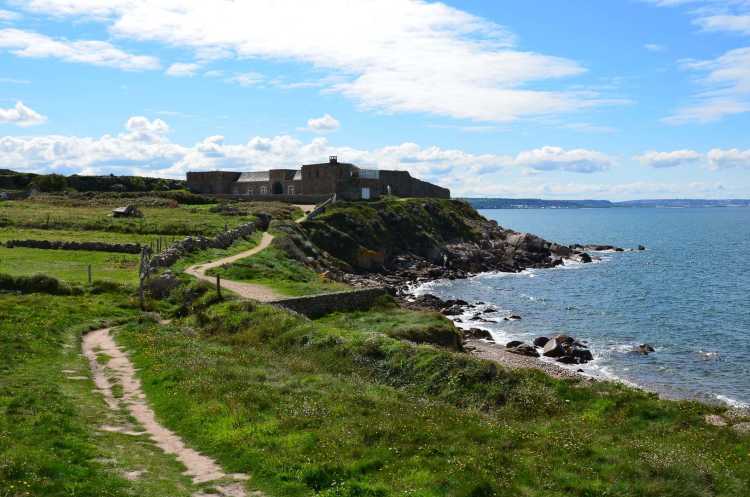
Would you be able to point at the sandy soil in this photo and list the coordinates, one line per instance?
(119, 370)
(246, 290)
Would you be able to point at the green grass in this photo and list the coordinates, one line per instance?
(310, 408)
(271, 267)
(50, 442)
(180, 220)
(45, 446)
(10, 233)
(70, 265)
(391, 320)
(212, 254)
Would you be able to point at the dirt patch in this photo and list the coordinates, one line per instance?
(119, 369)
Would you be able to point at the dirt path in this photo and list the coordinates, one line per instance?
(246, 290)
(113, 372)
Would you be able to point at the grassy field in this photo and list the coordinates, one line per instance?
(313, 409)
(180, 220)
(272, 268)
(50, 441)
(12, 233)
(70, 265)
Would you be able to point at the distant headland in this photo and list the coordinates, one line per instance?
(536, 203)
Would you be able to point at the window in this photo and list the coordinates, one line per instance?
(249, 191)
(290, 189)
(264, 190)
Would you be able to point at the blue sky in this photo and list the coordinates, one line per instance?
(582, 99)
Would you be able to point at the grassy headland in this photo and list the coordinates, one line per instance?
(370, 403)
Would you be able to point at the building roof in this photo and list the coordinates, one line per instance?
(253, 176)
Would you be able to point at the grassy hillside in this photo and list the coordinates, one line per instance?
(334, 407)
(391, 226)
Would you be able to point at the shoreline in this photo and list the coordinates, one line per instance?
(498, 353)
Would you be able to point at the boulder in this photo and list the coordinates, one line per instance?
(162, 285)
(512, 317)
(567, 359)
(453, 310)
(477, 333)
(641, 247)
(644, 349)
(430, 302)
(582, 356)
(584, 258)
(553, 349)
(513, 343)
(564, 339)
(540, 341)
(524, 349)
(262, 221)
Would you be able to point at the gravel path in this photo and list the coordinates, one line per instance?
(246, 290)
(118, 370)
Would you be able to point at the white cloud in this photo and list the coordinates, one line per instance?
(246, 79)
(725, 159)
(7, 15)
(182, 69)
(729, 23)
(555, 158)
(99, 53)
(726, 88)
(394, 55)
(674, 158)
(21, 115)
(144, 148)
(654, 47)
(324, 124)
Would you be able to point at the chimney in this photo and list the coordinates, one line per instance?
(333, 159)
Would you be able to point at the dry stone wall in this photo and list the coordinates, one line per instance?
(126, 248)
(314, 306)
(191, 244)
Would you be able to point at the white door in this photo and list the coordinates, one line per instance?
(365, 194)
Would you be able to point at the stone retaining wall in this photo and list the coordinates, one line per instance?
(190, 244)
(125, 248)
(314, 306)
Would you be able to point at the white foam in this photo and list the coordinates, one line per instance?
(732, 402)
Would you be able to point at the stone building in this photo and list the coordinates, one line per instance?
(314, 182)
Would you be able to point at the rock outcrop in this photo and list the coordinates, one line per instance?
(391, 243)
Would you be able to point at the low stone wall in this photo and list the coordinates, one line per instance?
(314, 306)
(125, 248)
(190, 244)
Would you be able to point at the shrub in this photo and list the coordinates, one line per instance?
(37, 283)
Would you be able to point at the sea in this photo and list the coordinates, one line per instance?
(687, 295)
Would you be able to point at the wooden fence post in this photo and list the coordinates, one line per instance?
(218, 285)
(89, 272)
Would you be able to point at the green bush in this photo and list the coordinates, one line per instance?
(37, 283)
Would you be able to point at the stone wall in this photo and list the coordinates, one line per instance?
(190, 244)
(314, 306)
(125, 248)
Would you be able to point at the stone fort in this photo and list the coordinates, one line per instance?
(313, 182)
